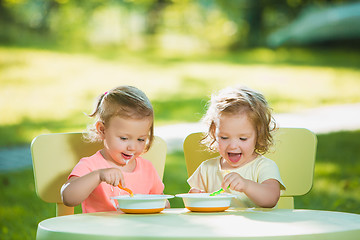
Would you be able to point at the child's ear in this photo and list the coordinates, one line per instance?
(100, 128)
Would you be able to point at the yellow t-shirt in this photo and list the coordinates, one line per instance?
(209, 176)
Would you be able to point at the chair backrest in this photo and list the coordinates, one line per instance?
(294, 153)
(55, 155)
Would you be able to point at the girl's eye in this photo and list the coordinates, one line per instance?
(123, 138)
(243, 139)
(224, 138)
(141, 140)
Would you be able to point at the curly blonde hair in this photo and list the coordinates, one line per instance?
(235, 100)
(125, 102)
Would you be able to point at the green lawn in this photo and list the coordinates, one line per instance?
(47, 91)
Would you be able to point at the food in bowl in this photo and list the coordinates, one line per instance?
(203, 202)
(142, 203)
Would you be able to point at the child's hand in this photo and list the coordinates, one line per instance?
(167, 204)
(195, 190)
(235, 181)
(112, 176)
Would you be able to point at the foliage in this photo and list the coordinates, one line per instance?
(147, 24)
(336, 184)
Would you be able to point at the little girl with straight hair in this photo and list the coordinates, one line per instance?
(124, 122)
(239, 125)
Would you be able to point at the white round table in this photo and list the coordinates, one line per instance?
(183, 224)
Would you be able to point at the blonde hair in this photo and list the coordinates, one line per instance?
(241, 100)
(125, 102)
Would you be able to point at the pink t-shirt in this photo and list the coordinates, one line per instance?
(143, 180)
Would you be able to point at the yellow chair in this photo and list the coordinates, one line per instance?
(55, 155)
(294, 152)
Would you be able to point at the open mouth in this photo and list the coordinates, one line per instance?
(126, 156)
(234, 157)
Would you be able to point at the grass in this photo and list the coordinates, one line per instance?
(336, 185)
(337, 179)
(46, 91)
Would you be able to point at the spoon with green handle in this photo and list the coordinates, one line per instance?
(221, 190)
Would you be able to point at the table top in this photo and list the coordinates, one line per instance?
(182, 224)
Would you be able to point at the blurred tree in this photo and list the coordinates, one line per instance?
(253, 15)
(47, 8)
(154, 16)
(212, 24)
(5, 14)
(248, 16)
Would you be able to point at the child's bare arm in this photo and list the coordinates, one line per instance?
(77, 189)
(265, 194)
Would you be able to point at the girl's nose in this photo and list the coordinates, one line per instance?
(131, 145)
(234, 144)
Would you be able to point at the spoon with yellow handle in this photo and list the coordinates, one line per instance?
(126, 189)
(221, 190)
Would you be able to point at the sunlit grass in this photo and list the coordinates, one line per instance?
(55, 89)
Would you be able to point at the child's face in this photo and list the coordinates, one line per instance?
(125, 139)
(236, 138)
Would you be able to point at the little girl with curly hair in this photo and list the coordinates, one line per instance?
(239, 125)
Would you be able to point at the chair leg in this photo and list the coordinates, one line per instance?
(62, 210)
(286, 203)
